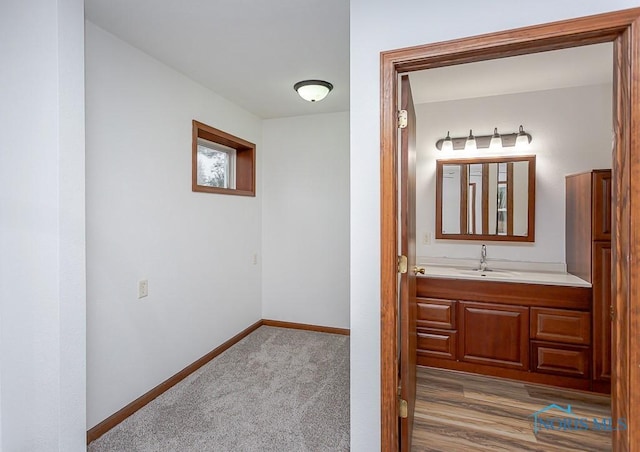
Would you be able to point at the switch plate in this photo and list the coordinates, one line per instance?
(426, 238)
(255, 259)
(143, 288)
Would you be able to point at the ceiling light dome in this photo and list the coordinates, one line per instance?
(313, 90)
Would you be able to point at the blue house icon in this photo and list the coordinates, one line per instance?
(546, 409)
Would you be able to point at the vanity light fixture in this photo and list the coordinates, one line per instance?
(521, 139)
(447, 144)
(313, 90)
(496, 141)
(470, 144)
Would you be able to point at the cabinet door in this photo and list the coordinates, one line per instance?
(601, 311)
(436, 344)
(560, 359)
(561, 325)
(494, 334)
(601, 205)
(436, 313)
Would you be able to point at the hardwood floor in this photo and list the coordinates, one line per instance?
(465, 412)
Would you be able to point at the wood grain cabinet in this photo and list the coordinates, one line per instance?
(494, 334)
(436, 325)
(556, 359)
(529, 332)
(437, 343)
(561, 325)
(588, 250)
(560, 342)
(602, 311)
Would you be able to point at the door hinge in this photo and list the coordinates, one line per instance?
(402, 119)
(402, 264)
(403, 408)
(612, 313)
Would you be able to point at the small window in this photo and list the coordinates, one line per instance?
(222, 163)
(216, 165)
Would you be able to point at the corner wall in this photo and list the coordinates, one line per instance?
(144, 222)
(305, 220)
(42, 226)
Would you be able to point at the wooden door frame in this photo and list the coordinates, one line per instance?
(619, 27)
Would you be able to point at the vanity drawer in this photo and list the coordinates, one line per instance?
(437, 343)
(561, 325)
(436, 313)
(559, 359)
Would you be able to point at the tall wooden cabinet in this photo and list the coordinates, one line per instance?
(588, 252)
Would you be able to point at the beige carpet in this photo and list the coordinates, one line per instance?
(276, 390)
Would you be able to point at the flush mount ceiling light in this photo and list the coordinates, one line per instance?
(313, 90)
(496, 141)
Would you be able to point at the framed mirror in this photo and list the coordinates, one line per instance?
(490, 198)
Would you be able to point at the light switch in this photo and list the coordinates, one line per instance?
(143, 288)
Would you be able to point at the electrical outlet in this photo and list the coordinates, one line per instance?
(143, 288)
(426, 238)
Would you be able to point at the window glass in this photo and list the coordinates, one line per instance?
(215, 165)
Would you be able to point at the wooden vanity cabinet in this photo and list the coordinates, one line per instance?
(530, 332)
(588, 251)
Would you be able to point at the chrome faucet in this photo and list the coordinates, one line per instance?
(483, 259)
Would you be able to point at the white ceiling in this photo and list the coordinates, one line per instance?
(579, 66)
(253, 51)
(249, 51)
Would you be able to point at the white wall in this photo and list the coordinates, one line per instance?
(305, 219)
(571, 130)
(378, 25)
(144, 222)
(42, 288)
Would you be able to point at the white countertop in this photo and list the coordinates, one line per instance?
(527, 277)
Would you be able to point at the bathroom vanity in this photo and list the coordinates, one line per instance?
(536, 332)
(537, 325)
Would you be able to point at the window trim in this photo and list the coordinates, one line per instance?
(244, 173)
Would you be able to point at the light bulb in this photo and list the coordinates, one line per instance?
(447, 144)
(496, 141)
(522, 139)
(470, 144)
